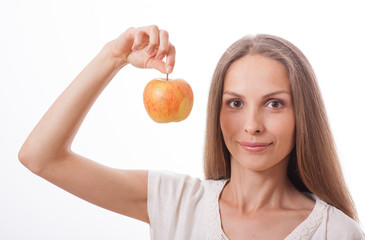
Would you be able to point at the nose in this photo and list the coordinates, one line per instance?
(253, 124)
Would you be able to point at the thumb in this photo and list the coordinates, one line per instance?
(159, 65)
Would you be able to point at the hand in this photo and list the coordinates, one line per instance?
(145, 47)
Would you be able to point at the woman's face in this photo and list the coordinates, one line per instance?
(257, 116)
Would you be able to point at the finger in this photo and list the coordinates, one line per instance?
(138, 40)
(160, 65)
(170, 58)
(154, 36)
(164, 44)
(157, 64)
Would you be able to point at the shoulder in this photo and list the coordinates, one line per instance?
(166, 180)
(178, 205)
(341, 226)
(172, 191)
(328, 222)
(179, 192)
(171, 182)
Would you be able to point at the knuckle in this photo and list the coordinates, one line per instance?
(172, 48)
(131, 29)
(164, 33)
(138, 37)
(137, 32)
(129, 32)
(154, 28)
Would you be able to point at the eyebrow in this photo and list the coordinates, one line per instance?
(265, 96)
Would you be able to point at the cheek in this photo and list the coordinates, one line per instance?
(283, 127)
(231, 124)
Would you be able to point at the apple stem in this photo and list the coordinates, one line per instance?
(167, 77)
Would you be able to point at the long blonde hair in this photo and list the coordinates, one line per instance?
(314, 165)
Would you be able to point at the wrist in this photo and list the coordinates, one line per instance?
(117, 61)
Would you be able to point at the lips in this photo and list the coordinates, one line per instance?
(254, 146)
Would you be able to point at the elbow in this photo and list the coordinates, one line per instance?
(29, 159)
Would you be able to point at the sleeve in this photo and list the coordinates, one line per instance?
(173, 204)
(342, 227)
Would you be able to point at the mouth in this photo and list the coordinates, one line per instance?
(254, 146)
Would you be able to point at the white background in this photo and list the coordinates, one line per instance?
(45, 44)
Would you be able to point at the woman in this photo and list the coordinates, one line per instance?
(264, 126)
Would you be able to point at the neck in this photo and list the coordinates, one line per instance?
(250, 191)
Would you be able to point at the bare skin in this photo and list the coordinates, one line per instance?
(259, 202)
(47, 151)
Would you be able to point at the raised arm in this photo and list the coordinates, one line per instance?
(47, 150)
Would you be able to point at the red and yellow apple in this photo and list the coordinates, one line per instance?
(168, 100)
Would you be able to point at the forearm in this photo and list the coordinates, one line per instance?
(47, 150)
(51, 139)
(55, 132)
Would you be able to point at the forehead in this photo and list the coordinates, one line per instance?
(256, 74)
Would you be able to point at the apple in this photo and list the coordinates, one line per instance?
(168, 100)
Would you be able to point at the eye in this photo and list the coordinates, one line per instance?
(235, 103)
(275, 104)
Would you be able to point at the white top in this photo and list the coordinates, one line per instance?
(181, 207)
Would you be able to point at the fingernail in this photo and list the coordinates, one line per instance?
(168, 69)
(160, 57)
(150, 51)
